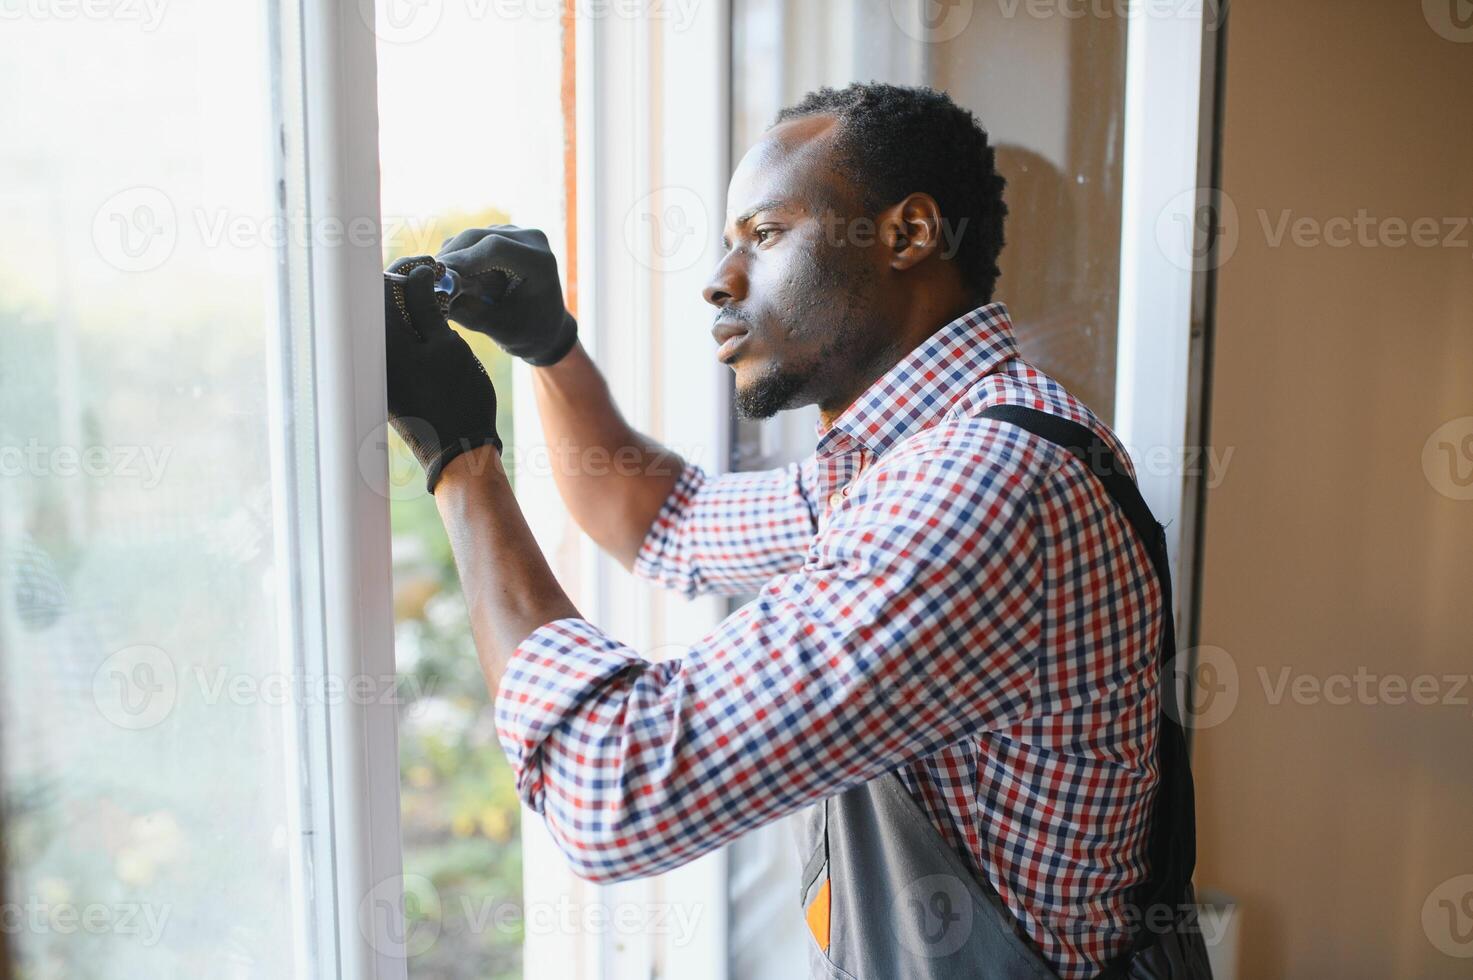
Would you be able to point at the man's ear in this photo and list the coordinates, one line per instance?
(911, 230)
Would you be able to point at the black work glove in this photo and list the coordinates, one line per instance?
(441, 401)
(509, 291)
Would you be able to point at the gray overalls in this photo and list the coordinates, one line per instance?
(886, 898)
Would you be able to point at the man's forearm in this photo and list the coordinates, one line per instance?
(612, 478)
(509, 588)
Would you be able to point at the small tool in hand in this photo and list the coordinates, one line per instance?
(489, 288)
(449, 285)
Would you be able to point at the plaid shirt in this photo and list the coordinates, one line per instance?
(937, 594)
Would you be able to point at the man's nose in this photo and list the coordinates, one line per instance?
(728, 283)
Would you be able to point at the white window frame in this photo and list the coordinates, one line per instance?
(1167, 267)
(332, 54)
(627, 68)
(1162, 274)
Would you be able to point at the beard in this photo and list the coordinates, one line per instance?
(774, 391)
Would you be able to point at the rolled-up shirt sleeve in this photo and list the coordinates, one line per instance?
(729, 534)
(913, 623)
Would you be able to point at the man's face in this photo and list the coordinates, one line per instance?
(799, 278)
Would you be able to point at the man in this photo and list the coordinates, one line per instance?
(954, 646)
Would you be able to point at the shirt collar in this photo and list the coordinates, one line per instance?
(924, 383)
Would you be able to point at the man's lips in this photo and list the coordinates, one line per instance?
(730, 346)
(730, 335)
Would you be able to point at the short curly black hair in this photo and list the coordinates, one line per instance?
(896, 140)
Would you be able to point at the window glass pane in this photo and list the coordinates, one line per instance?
(1050, 92)
(154, 703)
(1050, 88)
(1047, 83)
(471, 134)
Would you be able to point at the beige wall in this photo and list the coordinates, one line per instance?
(1328, 550)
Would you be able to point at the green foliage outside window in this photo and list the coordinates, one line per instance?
(460, 812)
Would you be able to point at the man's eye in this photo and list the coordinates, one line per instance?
(762, 234)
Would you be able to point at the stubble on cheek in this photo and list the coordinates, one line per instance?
(817, 297)
(821, 308)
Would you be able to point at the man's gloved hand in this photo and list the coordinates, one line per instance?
(441, 401)
(529, 321)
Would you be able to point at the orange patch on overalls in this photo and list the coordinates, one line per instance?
(818, 917)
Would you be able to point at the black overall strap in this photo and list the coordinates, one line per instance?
(1172, 847)
(1099, 459)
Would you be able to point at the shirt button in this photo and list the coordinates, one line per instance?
(835, 499)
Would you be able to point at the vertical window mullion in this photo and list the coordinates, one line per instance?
(340, 147)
